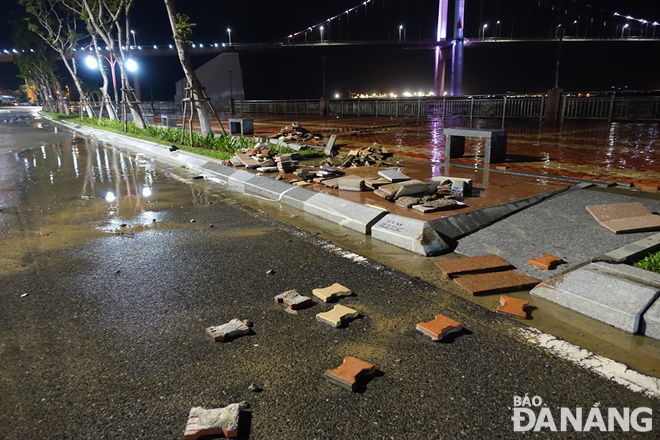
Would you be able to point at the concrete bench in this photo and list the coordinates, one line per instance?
(241, 126)
(495, 143)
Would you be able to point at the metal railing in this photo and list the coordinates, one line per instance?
(611, 108)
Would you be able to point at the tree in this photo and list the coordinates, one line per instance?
(109, 20)
(57, 26)
(181, 32)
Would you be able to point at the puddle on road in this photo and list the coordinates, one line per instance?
(57, 196)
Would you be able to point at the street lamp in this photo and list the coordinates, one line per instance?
(623, 31)
(321, 29)
(483, 30)
(92, 63)
(229, 32)
(400, 30)
(131, 65)
(497, 28)
(655, 23)
(557, 31)
(133, 33)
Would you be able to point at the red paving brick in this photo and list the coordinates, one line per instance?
(625, 217)
(513, 306)
(496, 282)
(467, 265)
(439, 327)
(546, 261)
(350, 372)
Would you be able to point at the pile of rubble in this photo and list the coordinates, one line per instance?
(374, 155)
(440, 193)
(298, 133)
(261, 158)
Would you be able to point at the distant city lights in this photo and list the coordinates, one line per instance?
(391, 95)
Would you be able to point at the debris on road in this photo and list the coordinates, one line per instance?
(217, 421)
(231, 330)
(438, 327)
(329, 293)
(337, 315)
(374, 155)
(470, 265)
(495, 282)
(546, 262)
(351, 371)
(513, 306)
(293, 299)
(298, 133)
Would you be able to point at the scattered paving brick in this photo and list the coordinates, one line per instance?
(337, 315)
(471, 265)
(496, 282)
(293, 299)
(625, 217)
(329, 293)
(231, 330)
(351, 371)
(513, 306)
(438, 327)
(546, 261)
(217, 421)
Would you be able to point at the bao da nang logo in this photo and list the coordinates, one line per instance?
(531, 414)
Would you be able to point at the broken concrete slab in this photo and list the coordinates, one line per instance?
(330, 293)
(438, 327)
(459, 185)
(615, 294)
(407, 233)
(351, 371)
(625, 217)
(513, 306)
(496, 282)
(410, 187)
(330, 146)
(438, 205)
(634, 251)
(351, 183)
(247, 160)
(393, 176)
(231, 330)
(343, 212)
(472, 265)
(235, 161)
(337, 315)
(293, 299)
(546, 262)
(213, 422)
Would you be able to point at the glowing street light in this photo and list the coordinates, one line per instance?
(483, 30)
(626, 26)
(400, 31)
(131, 65)
(133, 33)
(91, 62)
(321, 29)
(229, 32)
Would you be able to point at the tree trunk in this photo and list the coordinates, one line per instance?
(198, 92)
(76, 81)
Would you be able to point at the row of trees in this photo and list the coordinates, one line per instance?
(56, 27)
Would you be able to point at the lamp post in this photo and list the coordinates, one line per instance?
(483, 30)
(321, 29)
(229, 32)
(133, 33)
(497, 28)
(623, 31)
(400, 31)
(655, 23)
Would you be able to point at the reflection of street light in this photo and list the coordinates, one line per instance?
(229, 32)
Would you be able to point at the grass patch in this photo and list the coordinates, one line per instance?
(650, 262)
(213, 145)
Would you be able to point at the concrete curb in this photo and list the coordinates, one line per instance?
(413, 235)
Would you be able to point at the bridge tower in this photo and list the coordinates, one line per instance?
(457, 48)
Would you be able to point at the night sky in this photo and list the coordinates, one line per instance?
(295, 73)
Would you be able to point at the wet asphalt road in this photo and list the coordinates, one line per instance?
(102, 325)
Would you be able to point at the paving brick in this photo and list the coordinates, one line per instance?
(213, 422)
(471, 265)
(625, 217)
(293, 299)
(513, 306)
(393, 175)
(330, 293)
(496, 282)
(439, 327)
(546, 261)
(351, 183)
(227, 332)
(337, 315)
(351, 371)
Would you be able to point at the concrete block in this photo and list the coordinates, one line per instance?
(293, 299)
(337, 315)
(220, 171)
(239, 178)
(652, 320)
(297, 197)
(513, 306)
(227, 332)
(265, 187)
(343, 212)
(351, 183)
(613, 294)
(332, 292)
(458, 184)
(351, 371)
(494, 282)
(636, 250)
(330, 146)
(393, 175)
(438, 327)
(471, 265)
(414, 235)
(213, 422)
